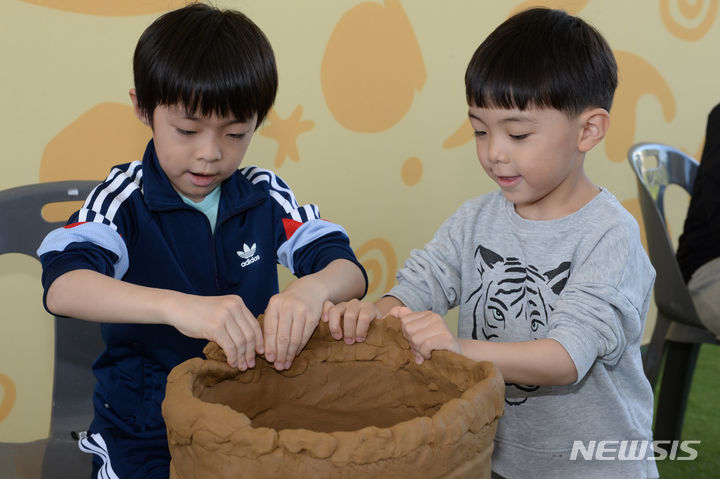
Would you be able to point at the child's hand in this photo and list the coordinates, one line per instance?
(292, 316)
(223, 319)
(425, 331)
(356, 317)
(290, 319)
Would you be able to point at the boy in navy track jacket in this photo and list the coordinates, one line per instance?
(181, 247)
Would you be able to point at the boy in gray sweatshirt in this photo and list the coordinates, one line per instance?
(551, 279)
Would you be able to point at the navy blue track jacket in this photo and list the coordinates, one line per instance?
(135, 227)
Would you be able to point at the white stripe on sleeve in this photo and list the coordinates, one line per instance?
(95, 444)
(305, 234)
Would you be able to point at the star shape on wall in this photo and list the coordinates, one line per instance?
(285, 132)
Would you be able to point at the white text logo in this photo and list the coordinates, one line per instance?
(634, 450)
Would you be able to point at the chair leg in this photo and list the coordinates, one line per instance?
(680, 362)
(654, 352)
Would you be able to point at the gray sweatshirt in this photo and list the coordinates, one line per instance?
(583, 280)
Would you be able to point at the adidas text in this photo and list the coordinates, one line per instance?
(250, 261)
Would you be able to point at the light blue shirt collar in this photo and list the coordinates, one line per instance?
(208, 206)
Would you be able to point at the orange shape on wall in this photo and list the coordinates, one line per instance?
(372, 67)
(111, 9)
(286, 133)
(412, 171)
(378, 268)
(106, 135)
(460, 136)
(637, 78)
(573, 7)
(7, 399)
(689, 10)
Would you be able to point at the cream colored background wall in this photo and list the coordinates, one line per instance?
(370, 123)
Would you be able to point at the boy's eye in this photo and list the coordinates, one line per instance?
(479, 133)
(185, 132)
(236, 136)
(519, 137)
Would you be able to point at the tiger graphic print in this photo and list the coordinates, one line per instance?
(513, 296)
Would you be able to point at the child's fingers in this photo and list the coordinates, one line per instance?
(433, 343)
(327, 306)
(412, 323)
(417, 356)
(349, 322)
(259, 340)
(297, 331)
(282, 341)
(418, 327)
(270, 334)
(223, 340)
(249, 340)
(400, 311)
(363, 324)
(308, 332)
(236, 354)
(334, 318)
(428, 333)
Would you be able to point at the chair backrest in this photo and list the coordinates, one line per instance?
(657, 166)
(77, 343)
(22, 226)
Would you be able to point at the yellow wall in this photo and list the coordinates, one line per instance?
(370, 122)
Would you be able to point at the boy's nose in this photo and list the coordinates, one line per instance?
(209, 150)
(496, 153)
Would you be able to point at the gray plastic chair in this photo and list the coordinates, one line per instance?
(77, 344)
(678, 330)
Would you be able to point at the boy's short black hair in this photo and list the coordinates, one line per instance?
(542, 58)
(208, 60)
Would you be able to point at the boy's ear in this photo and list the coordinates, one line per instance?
(595, 123)
(138, 113)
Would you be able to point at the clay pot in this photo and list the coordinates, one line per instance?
(365, 410)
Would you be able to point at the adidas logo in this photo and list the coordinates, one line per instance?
(248, 252)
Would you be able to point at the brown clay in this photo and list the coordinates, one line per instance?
(365, 410)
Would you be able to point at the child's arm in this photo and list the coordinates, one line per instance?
(543, 362)
(292, 315)
(92, 296)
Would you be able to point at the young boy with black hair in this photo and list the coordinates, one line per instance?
(551, 279)
(182, 247)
